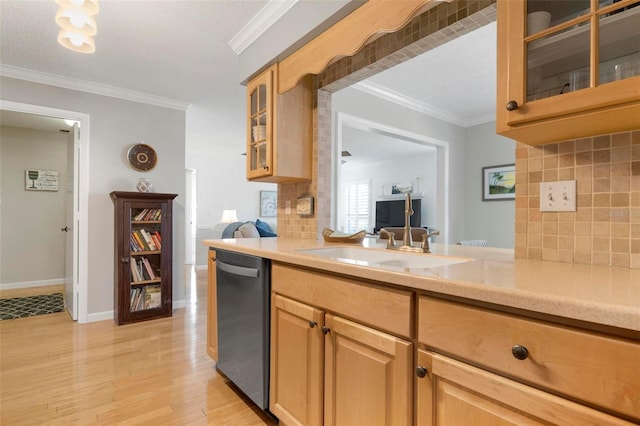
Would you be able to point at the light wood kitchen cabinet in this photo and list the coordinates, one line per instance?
(532, 366)
(367, 376)
(576, 75)
(326, 366)
(212, 307)
(454, 393)
(279, 129)
(297, 362)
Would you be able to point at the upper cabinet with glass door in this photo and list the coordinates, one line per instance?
(279, 135)
(567, 68)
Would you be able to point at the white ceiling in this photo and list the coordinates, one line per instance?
(179, 49)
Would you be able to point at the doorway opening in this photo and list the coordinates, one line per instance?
(76, 275)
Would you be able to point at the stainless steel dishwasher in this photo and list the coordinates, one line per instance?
(244, 288)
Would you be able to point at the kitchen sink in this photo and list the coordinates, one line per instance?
(384, 258)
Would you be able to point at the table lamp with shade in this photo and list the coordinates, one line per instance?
(228, 216)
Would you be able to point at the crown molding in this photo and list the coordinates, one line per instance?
(261, 22)
(91, 87)
(419, 106)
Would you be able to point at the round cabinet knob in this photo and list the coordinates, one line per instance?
(512, 106)
(421, 371)
(312, 324)
(326, 330)
(520, 352)
(124, 260)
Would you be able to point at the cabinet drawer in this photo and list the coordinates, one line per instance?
(600, 370)
(382, 308)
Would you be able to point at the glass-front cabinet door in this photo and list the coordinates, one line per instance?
(575, 55)
(259, 119)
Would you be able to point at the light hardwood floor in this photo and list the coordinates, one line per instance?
(56, 371)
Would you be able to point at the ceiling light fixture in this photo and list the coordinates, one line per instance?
(75, 18)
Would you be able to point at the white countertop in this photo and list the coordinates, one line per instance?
(596, 294)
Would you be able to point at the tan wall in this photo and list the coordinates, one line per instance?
(605, 229)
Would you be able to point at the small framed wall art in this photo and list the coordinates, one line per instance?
(41, 180)
(499, 182)
(268, 203)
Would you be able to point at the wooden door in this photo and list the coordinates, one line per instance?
(296, 362)
(454, 393)
(368, 378)
(212, 307)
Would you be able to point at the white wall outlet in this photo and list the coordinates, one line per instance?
(287, 207)
(558, 196)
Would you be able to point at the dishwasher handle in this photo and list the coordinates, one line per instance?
(238, 270)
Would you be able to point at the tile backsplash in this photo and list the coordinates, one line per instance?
(605, 229)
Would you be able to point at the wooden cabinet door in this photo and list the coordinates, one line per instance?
(259, 125)
(296, 362)
(368, 378)
(212, 308)
(561, 83)
(454, 393)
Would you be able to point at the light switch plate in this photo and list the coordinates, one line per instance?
(558, 196)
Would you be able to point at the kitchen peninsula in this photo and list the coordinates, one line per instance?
(552, 340)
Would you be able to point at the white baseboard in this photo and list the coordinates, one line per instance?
(177, 304)
(28, 284)
(200, 267)
(100, 316)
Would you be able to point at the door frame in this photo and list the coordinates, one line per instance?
(443, 155)
(81, 194)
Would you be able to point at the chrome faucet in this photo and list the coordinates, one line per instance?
(407, 242)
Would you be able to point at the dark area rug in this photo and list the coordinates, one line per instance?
(20, 307)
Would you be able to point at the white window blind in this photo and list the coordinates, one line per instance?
(357, 205)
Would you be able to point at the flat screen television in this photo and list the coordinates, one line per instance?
(391, 213)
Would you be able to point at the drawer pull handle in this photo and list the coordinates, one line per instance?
(520, 352)
(421, 371)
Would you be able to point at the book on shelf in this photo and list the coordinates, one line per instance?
(148, 268)
(148, 214)
(135, 276)
(148, 240)
(147, 297)
(156, 240)
(140, 240)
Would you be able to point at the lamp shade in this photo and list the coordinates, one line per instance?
(76, 21)
(76, 42)
(87, 7)
(229, 216)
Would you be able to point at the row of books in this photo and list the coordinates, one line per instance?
(143, 240)
(147, 297)
(141, 270)
(148, 214)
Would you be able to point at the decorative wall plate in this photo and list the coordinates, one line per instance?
(304, 206)
(142, 157)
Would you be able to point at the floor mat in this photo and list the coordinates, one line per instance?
(20, 307)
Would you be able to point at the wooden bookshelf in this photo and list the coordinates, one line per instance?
(143, 256)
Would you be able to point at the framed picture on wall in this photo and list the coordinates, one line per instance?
(268, 203)
(499, 182)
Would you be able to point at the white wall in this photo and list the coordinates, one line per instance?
(360, 104)
(470, 150)
(400, 169)
(33, 247)
(116, 125)
(491, 220)
(216, 141)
